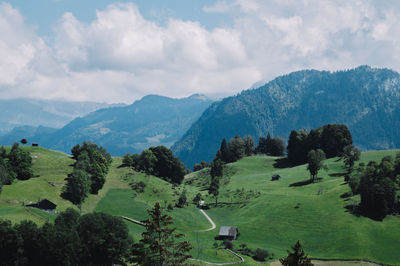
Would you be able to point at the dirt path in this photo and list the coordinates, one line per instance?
(226, 263)
(213, 226)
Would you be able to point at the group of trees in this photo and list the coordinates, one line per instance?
(91, 239)
(376, 184)
(271, 146)
(235, 149)
(14, 164)
(158, 161)
(89, 173)
(331, 139)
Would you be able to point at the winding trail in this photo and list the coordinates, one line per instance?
(213, 226)
(225, 263)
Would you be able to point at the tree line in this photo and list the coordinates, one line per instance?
(158, 161)
(15, 164)
(92, 239)
(89, 173)
(377, 183)
(331, 139)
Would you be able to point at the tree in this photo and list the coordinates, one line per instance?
(167, 166)
(20, 162)
(315, 162)
(160, 244)
(217, 168)
(260, 254)
(237, 148)
(9, 244)
(223, 152)
(24, 141)
(127, 159)
(214, 188)
(262, 145)
(350, 155)
(249, 146)
(196, 200)
(297, 257)
(334, 138)
(77, 187)
(377, 189)
(105, 239)
(28, 231)
(182, 200)
(276, 147)
(7, 176)
(297, 147)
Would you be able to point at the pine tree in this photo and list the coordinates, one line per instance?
(297, 258)
(160, 245)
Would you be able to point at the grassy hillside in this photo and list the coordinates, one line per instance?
(270, 215)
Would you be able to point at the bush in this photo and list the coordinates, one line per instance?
(260, 254)
(138, 186)
(227, 244)
(182, 200)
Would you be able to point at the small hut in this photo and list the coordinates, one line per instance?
(228, 232)
(275, 177)
(43, 204)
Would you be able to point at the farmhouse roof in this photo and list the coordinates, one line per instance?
(44, 204)
(228, 231)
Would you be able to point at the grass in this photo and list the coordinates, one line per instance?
(270, 215)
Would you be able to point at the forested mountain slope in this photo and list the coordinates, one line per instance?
(153, 120)
(366, 99)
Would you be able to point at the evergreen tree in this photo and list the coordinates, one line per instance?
(223, 153)
(214, 188)
(297, 257)
(217, 168)
(160, 244)
(249, 146)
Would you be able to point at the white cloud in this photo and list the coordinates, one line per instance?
(121, 56)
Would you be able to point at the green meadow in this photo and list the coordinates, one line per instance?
(271, 215)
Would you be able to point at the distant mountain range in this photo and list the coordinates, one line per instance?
(153, 120)
(366, 99)
(47, 113)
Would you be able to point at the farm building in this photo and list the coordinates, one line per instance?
(275, 177)
(228, 232)
(43, 204)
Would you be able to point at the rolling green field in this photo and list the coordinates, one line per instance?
(270, 215)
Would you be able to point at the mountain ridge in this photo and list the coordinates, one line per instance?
(366, 99)
(152, 120)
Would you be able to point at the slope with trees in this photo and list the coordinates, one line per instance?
(89, 174)
(151, 121)
(366, 99)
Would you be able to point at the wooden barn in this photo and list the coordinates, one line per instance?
(228, 232)
(275, 177)
(43, 204)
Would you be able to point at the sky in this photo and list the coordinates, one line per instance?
(120, 51)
